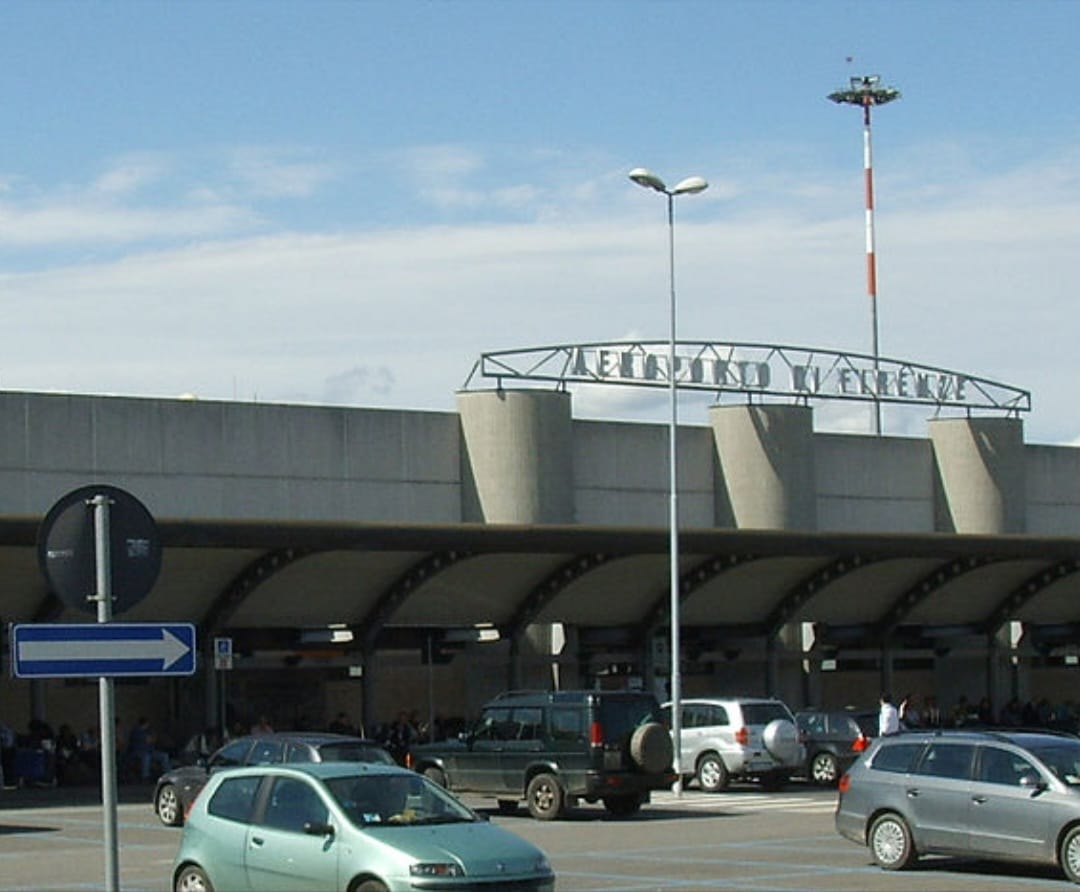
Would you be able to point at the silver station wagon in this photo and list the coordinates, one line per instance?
(1005, 795)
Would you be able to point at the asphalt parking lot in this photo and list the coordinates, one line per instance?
(740, 840)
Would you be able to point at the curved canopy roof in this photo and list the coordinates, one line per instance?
(378, 578)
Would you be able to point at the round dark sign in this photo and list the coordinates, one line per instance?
(67, 554)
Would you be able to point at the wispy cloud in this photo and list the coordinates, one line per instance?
(977, 279)
(269, 173)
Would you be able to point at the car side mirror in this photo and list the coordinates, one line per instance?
(318, 828)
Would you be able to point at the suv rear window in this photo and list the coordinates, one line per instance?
(619, 715)
(763, 713)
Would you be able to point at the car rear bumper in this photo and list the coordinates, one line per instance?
(597, 786)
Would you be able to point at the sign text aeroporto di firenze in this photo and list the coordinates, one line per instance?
(802, 373)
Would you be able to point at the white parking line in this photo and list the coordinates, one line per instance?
(744, 802)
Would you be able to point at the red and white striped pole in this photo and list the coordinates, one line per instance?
(871, 262)
(866, 91)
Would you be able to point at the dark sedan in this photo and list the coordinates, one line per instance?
(176, 789)
(834, 739)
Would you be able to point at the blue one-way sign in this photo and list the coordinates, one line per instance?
(58, 650)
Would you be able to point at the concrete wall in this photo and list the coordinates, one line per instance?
(193, 459)
(1053, 490)
(622, 474)
(884, 484)
(765, 461)
(980, 468)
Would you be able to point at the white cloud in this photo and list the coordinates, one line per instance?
(979, 281)
(129, 175)
(268, 173)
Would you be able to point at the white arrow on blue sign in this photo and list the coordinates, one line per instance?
(76, 650)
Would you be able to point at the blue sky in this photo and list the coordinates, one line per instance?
(346, 202)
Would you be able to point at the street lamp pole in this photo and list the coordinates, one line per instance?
(689, 186)
(866, 92)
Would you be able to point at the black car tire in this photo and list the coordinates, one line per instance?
(772, 781)
(369, 886)
(712, 773)
(824, 769)
(891, 843)
(623, 806)
(168, 806)
(651, 747)
(1069, 854)
(545, 797)
(435, 775)
(193, 879)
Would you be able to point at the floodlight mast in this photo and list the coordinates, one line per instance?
(866, 91)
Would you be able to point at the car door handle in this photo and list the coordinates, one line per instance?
(256, 841)
(912, 792)
(978, 800)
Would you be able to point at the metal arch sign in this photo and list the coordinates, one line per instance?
(798, 373)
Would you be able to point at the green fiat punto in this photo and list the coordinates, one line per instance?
(345, 827)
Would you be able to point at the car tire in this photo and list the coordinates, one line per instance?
(891, 843)
(545, 797)
(193, 879)
(623, 806)
(651, 747)
(168, 806)
(436, 775)
(1069, 854)
(369, 886)
(824, 769)
(772, 781)
(781, 739)
(712, 774)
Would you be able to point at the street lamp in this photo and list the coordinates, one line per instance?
(866, 91)
(690, 186)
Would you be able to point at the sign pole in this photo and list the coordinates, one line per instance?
(106, 700)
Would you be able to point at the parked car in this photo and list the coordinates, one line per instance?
(361, 827)
(833, 740)
(1005, 795)
(726, 738)
(554, 748)
(175, 790)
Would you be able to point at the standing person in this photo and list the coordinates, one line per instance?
(889, 717)
(909, 712)
(142, 748)
(402, 735)
(262, 726)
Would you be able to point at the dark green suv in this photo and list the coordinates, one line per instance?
(555, 748)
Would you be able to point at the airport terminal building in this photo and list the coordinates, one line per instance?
(374, 560)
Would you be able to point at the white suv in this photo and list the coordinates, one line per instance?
(737, 737)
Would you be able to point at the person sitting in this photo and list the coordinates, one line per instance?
(394, 799)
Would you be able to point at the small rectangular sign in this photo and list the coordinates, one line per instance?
(79, 650)
(223, 653)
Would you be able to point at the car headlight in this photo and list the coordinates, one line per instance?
(542, 865)
(436, 869)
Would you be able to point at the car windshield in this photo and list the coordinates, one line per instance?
(396, 800)
(1063, 759)
(763, 713)
(351, 751)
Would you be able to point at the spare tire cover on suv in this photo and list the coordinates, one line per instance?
(651, 747)
(781, 739)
